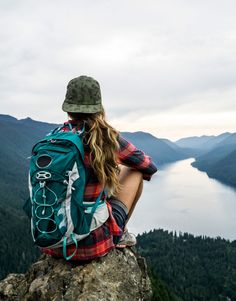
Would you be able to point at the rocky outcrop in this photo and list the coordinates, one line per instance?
(120, 275)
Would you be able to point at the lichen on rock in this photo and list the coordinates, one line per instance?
(120, 275)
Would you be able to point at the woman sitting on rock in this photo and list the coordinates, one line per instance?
(112, 163)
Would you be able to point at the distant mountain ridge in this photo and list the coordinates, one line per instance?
(203, 142)
(219, 163)
(161, 150)
(216, 155)
(225, 169)
(22, 134)
(18, 137)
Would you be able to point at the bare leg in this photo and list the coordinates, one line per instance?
(132, 186)
(139, 192)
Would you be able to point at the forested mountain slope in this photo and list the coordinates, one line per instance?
(195, 268)
(219, 163)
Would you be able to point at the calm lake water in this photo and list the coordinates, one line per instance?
(182, 198)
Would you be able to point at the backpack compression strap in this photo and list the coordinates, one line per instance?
(72, 235)
(64, 246)
(58, 129)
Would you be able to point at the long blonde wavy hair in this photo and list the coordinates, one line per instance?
(101, 138)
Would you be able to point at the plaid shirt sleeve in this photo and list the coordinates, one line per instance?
(133, 157)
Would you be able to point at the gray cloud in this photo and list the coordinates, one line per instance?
(149, 57)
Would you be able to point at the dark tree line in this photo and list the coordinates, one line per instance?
(17, 251)
(195, 268)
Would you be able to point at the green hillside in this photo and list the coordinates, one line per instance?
(225, 169)
(220, 163)
(17, 137)
(17, 251)
(195, 268)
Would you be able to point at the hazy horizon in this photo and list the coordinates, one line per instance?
(173, 140)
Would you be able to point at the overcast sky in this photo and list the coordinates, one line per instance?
(165, 67)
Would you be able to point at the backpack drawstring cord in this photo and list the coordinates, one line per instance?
(43, 186)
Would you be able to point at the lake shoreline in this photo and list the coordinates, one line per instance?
(183, 199)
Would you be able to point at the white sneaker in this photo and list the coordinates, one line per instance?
(127, 240)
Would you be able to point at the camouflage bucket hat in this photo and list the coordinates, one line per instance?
(83, 96)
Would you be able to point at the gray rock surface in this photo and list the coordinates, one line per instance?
(120, 275)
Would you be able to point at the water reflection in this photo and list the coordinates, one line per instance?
(182, 198)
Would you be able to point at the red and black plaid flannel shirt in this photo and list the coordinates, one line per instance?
(100, 241)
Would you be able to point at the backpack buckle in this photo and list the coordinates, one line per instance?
(43, 175)
(52, 140)
(42, 184)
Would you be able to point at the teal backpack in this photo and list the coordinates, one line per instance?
(57, 179)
